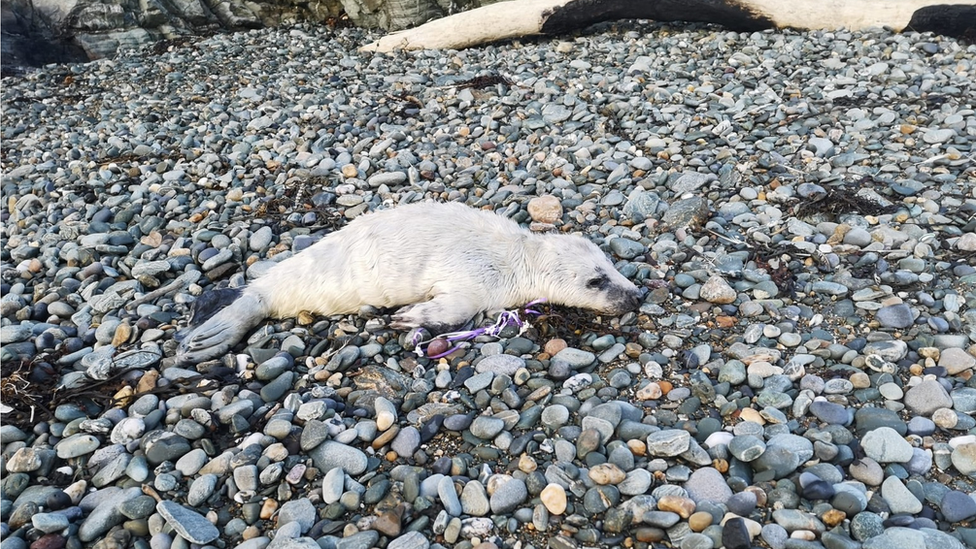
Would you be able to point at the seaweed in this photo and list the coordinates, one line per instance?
(23, 384)
(297, 198)
(839, 201)
(482, 82)
(568, 323)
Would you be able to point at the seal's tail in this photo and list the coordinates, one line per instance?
(223, 330)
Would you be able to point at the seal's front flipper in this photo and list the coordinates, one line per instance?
(443, 313)
(223, 329)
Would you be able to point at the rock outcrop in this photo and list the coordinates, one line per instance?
(36, 32)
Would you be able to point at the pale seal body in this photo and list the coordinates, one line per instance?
(440, 263)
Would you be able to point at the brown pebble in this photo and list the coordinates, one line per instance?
(124, 396)
(833, 517)
(350, 170)
(699, 521)
(607, 473)
(553, 497)
(268, 508)
(389, 522)
(321, 375)
(633, 350)
(649, 535)
(760, 495)
(438, 346)
(930, 352)
(553, 346)
(122, 334)
(637, 447)
(49, 541)
(726, 321)
(386, 437)
(22, 515)
(527, 463)
(684, 507)
(545, 209)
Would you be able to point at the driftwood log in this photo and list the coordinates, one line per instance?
(519, 18)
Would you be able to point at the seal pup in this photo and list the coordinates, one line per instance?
(440, 263)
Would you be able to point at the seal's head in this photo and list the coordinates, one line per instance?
(573, 271)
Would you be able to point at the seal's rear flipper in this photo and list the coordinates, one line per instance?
(207, 305)
(223, 329)
(210, 303)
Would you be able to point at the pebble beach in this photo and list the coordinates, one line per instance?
(798, 207)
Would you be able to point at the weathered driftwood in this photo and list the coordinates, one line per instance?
(519, 18)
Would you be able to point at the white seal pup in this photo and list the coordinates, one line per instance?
(440, 263)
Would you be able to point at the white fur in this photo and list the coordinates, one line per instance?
(444, 263)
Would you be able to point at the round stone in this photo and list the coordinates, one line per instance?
(553, 496)
(717, 290)
(885, 445)
(927, 397)
(508, 496)
(957, 506)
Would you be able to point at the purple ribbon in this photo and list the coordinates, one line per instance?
(505, 319)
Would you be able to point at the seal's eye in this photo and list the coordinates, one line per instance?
(596, 283)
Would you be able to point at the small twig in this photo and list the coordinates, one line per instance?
(151, 492)
(730, 239)
(181, 281)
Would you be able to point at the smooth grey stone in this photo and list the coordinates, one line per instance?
(885, 445)
(500, 364)
(474, 499)
(191, 525)
(300, 511)
(359, 540)
(927, 397)
(49, 522)
(331, 454)
(486, 427)
(747, 448)
(201, 489)
(708, 485)
(508, 496)
(448, 497)
(406, 442)
(637, 482)
(576, 358)
(957, 506)
(106, 515)
(668, 443)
